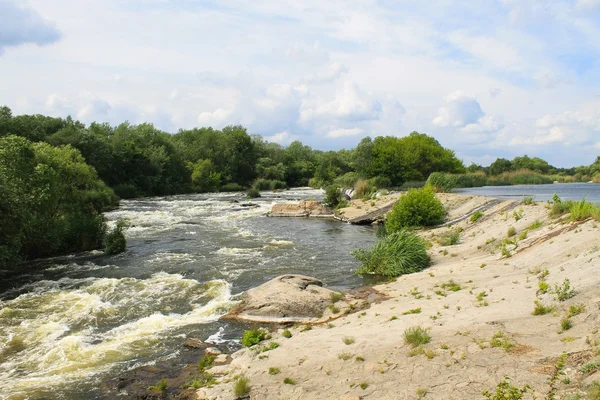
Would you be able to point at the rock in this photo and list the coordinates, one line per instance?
(212, 351)
(589, 381)
(219, 370)
(221, 359)
(287, 298)
(194, 343)
(306, 208)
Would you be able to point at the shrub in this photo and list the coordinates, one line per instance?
(274, 370)
(418, 208)
(115, 242)
(278, 185)
(232, 187)
(541, 309)
(160, 386)
(287, 334)
(253, 336)
(442, 182)
(347, 180)
(262, 184)
(450, 238)
(241, 386)
(252, 194)
(416, 336)
(396, 254)
(380, 182)
(289, 381)
(476, 215)
(333, 196)
(593, 391)
(511, 232)
(125, 191)
(564, 292)
(362, 189)
(583, 210)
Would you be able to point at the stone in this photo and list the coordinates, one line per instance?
(287, 298)
(305, 208)
(194, 343)
(221, 359)
(212, 351)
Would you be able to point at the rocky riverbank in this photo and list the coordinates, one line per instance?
(476, 302)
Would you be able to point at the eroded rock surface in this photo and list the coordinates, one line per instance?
(287, 298)
(305, 208)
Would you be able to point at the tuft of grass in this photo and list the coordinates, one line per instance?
(528, 200)
(363, 385)
(421, 393)
(502, 341)
(306, 328)
(348, 340)
(206, 362)
(345, 356)
(160, 386)
(451, 286)
(511, 232)
(335, 297)
(396, 254)
(565, 324)
(523, 235)
(287, 334)
(450, 238)
(413, 311)
(590, 367)
(416, 336)
(274, 370)
(359, 358)
(575, 310)
(253, 336)
(241, 386)
(541, 309)
(289, 381)
(535, 225)
(476, 215)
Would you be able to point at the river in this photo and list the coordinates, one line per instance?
(78, 320)
(566, 191)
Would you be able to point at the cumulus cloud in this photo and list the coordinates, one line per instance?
(214, 118)
(21, 25)
(330, 73)
(460, 110)
(343, 132)
(350, 104)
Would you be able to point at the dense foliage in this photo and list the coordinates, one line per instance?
(115, 241)
(398, 253)
(418, 208)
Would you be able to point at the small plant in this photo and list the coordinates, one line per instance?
(241, 386)
(269, 347)
(335, 297)
(363, 385)
(334, 309)
(451, 286)
(565, 325)
(115, 242)
(590, 367)
(564, 292)
(527, 200)
(416, 336)
(206, 362)
(253, 336)
(511, 232)
(535, 225)
(541, 309)
(393, 318)
(421, 393)
(575, 310)
(274, 370)
(501, 340)
(481, 296)
(450, 238)
(160, 386)
(287, 334)
(476, 215)
(543, 287)
(359, 358)
(348, 340)
(306, 328)
(413, 311)
(345, 356)
(517, 215)
(505, 391)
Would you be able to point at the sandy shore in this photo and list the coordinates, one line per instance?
(497, 294)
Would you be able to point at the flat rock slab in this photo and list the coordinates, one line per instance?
(287, 298)
(305, 208)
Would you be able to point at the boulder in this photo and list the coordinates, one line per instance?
(305, 208)
(287, 298)
(194, 343)
(212, 351)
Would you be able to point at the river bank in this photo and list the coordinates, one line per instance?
(476, 302)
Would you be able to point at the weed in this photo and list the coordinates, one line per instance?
(506, 391)
(359, 358)
(287, 334)
(413, 311)
(523, 235)
(565, 325)
(444, 346)
(481, 295)
(527, 200)
(451, 286)
(450, 237)
(197, 382)
(535, 225)
(590, 367)
(206, 362)
(543, 287)
(517, 215)
(363, 385)
(345, 356)
(575, 310)
(253, 336)
(511, 232)
(289, 381)
(393, 318)
(416, 336)
(421, 393)
(541, 309)
(335, 297)
(160, 386)
(476, 215)
(501, 340)
(348, 340)
(306, 328)
(564, 292)
(274, 370)
(334, 309)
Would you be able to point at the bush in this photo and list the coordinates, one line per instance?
(115, 242)
(362, 189)
(476, 215)
(511, 232)
(252, 194)
(241, 386)
(381, 182)
(347, 180)
(253, 336)
(442, 182)
(396, 254)
(232, 187)
(126, 191)
(333, 196)
(450, 238)
(418, 208)
(262, 184)
(278, 185)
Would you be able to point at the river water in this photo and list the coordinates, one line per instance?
(566, 191)
(78, 320)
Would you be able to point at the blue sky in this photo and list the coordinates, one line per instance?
(486, 78)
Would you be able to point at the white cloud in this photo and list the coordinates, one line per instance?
(460, 110)
(587, 5)
(343, 132)
(331, 73)
(215, 118)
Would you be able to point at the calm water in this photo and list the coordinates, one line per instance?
(63, 330)
(566, 191)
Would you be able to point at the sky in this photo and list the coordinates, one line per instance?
(486, 78)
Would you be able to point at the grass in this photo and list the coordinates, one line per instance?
(543, 287)
(502, 341)
(345, 356)
(416, 336)
(415, 351)
(511, 232)
(413, 311)
(306, 328)
(476, 215)
(253, 336)
(541, 309)
(481, 296)
(206, 362)
(160, 386)
(535, 225)
(506, 391)
(590, 367)
(565, 325)
(335, 297)
(527, 200)
(359, 358)
(274, 370)
(523, 235)
(348, 340)
(269, 347)
(363, 385)
(575, 310)
(287, 334)
(396, 254)
(289, 381)
(450, 238)
(451, 286)
(421, 393)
